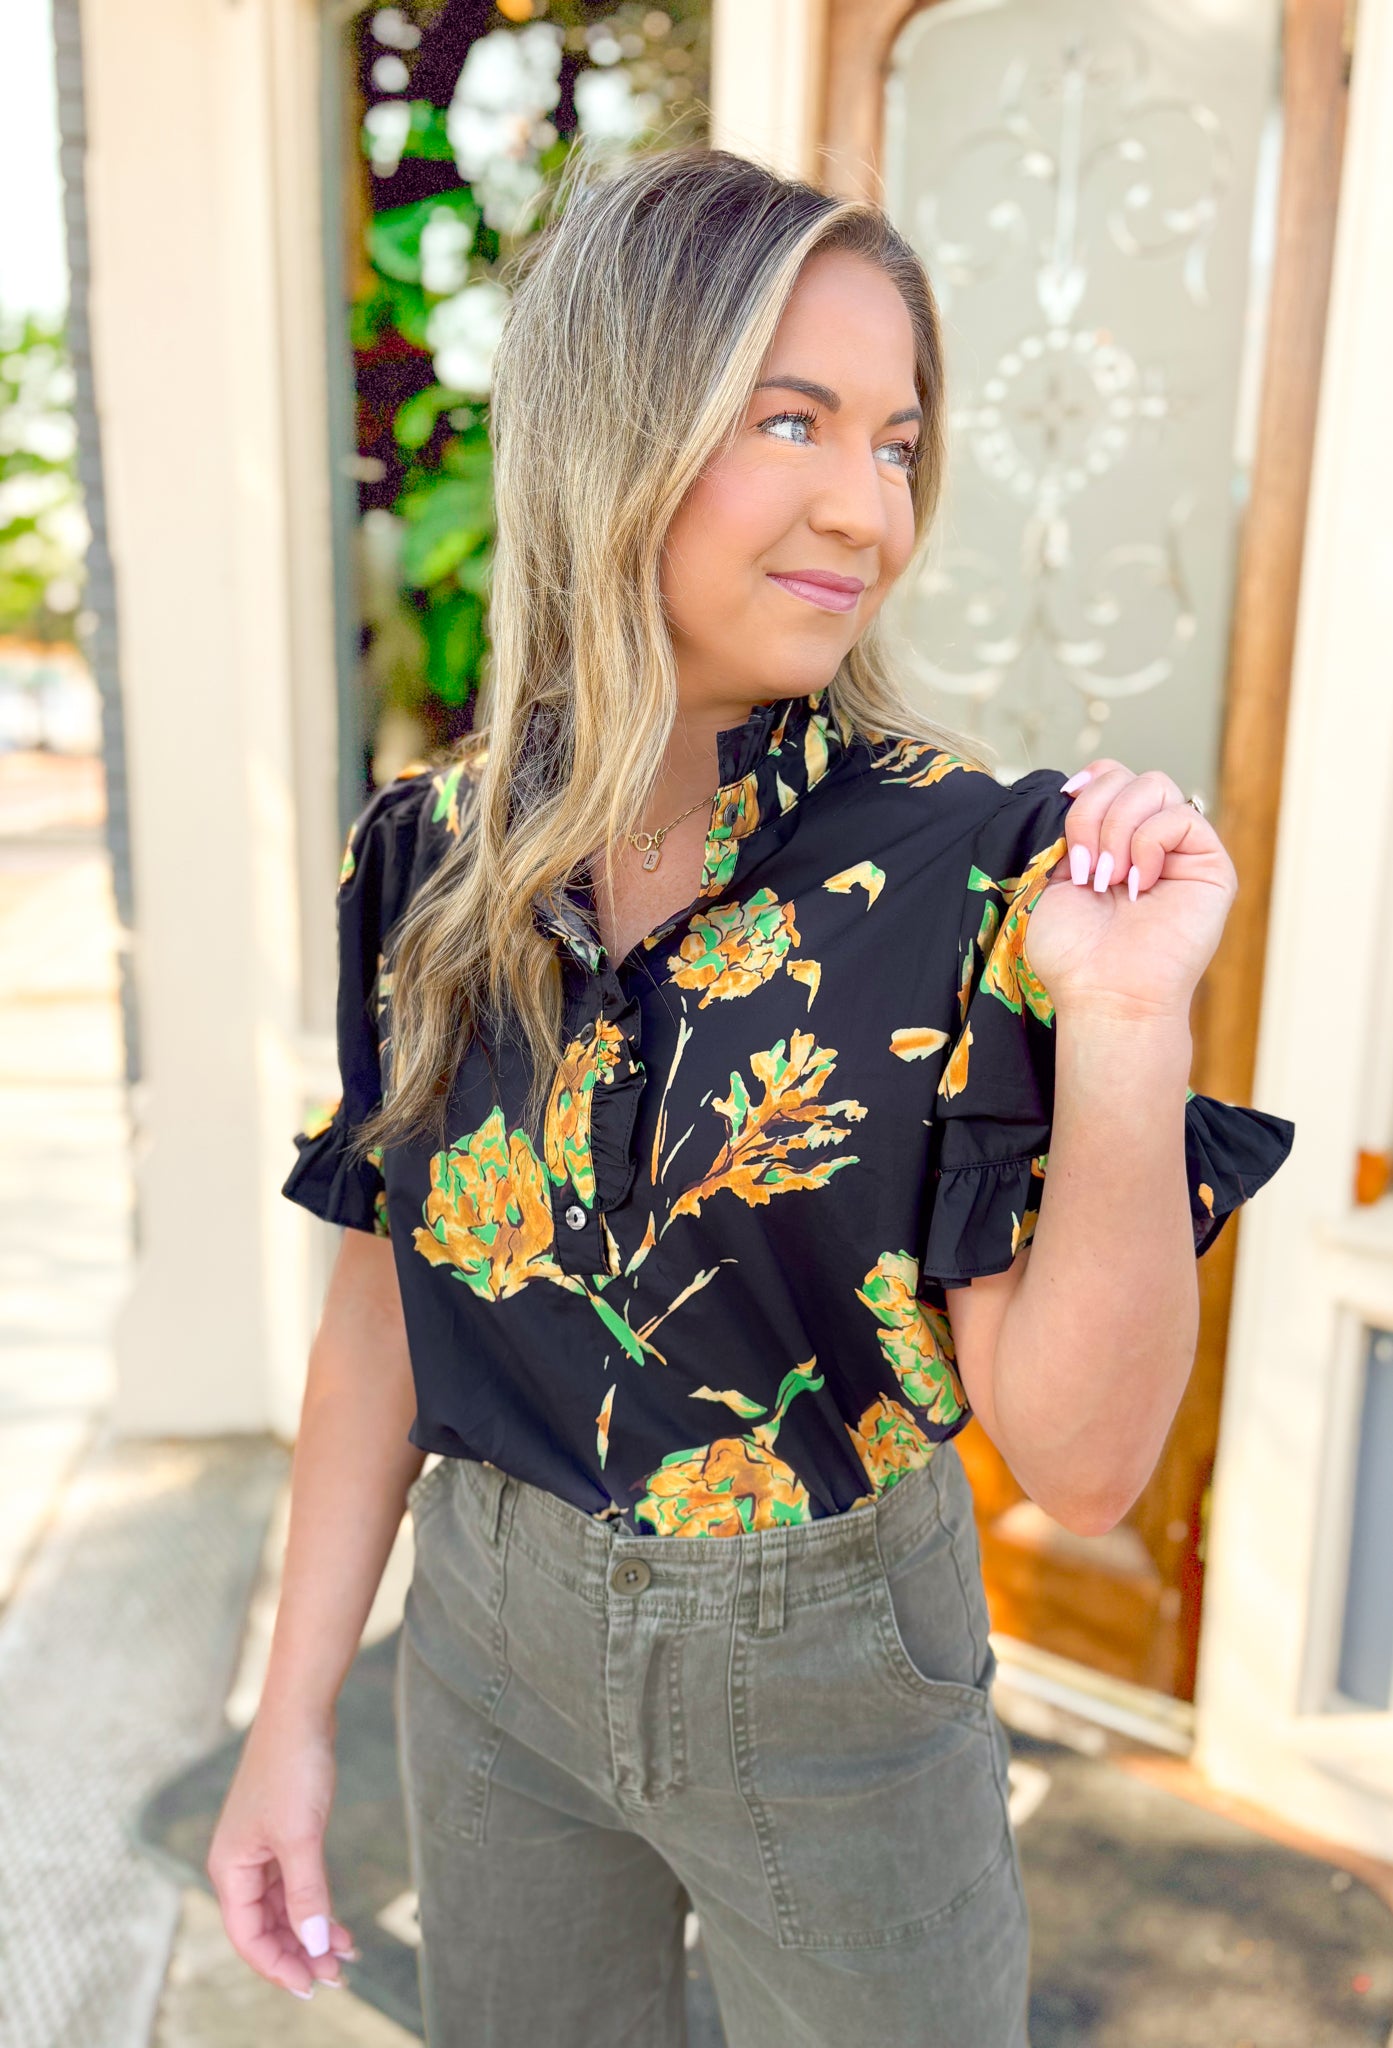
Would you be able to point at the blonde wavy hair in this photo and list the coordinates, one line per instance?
(639, 321)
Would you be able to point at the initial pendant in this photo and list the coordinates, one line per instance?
(652, 857)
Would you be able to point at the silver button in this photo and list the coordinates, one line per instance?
(575, 1216)
(630, 1575)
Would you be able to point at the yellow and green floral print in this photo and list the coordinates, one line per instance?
(705, 1187)
(757, 1160)
(1007, 973)
(734, 1485)
(321, 1116)
(1023, 1226)
(919, 764)
(487, 1214)
(735, 948)
(584, 1065)
(736, 816)
(889, 1443)
(917, 1340)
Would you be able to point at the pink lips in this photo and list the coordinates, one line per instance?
(820, 587)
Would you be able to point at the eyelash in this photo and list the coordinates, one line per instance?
(911, 448)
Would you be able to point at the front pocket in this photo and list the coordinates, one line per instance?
(875, 1790)
(454, 1653)
(426, 1482)
(931, 1610)
(446, 1747)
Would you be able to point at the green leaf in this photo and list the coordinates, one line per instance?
(415, 419)
(367, 319)
(427, 137)
(554, 155)
(475, 574)
(391, 304)
(470, 457)
(394, 236)
(428, 490)
(454, 630)
(446, 520)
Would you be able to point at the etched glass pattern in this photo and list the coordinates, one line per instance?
(1092, 188)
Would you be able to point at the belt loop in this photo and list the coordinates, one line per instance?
(493, 1482)
(773, 1555)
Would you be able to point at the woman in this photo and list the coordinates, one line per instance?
(734, 1153)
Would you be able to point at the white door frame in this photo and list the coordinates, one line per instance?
(1313, 1270)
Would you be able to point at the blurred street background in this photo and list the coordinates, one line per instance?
(252, 266)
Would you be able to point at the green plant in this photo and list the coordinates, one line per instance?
(43, 531)
(437, 270)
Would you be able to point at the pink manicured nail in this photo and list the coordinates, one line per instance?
(300, 1994)
(1104, 874)
(1076, 782)
(1078, 863)
(1133, 881)
(314, 1933)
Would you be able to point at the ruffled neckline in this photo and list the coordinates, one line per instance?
(768, 765)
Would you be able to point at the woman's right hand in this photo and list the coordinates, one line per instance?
(266, 1860)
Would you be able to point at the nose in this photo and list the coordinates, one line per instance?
(850, 504)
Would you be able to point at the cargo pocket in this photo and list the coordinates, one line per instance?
(870, 1769)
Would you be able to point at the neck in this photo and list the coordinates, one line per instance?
(690, 769)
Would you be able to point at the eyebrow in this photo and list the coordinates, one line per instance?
(826, 396)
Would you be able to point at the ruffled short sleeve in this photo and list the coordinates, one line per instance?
(990, 1154)
(383, 861)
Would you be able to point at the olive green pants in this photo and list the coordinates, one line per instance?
(790, 1732)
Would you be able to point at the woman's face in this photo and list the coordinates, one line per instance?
(783, 550)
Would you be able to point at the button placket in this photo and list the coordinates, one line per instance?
(577, 1243)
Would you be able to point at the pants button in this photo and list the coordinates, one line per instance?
(630, 1575)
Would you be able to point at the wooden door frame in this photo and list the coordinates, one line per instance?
(860, 36)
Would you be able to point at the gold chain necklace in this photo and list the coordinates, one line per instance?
(650, 844)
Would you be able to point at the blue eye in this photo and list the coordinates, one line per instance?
(778, 419)
(905, 452)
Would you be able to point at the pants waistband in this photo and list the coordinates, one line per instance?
(762, 1569)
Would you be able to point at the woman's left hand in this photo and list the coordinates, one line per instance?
(1095, 948)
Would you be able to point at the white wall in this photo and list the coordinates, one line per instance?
(208, 332)
(766, 80)
(1312, 1269)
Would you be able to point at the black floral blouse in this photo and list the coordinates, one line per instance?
(708, 1294)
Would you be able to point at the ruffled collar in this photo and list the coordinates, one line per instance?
(767, 766)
